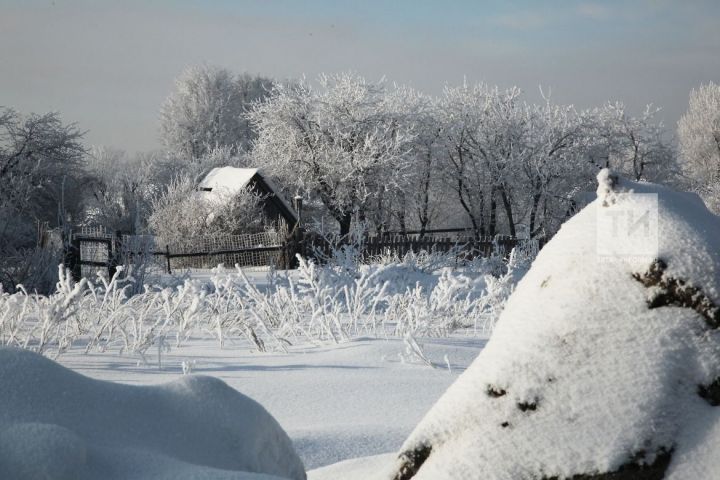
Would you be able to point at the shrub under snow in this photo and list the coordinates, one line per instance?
(56, 424)
(600, 366)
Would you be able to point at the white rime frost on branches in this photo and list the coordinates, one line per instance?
(344, 142)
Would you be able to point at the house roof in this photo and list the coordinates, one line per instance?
(223, 181)
(229, 179)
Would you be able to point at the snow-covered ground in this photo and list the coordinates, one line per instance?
(336, 402)
(346, 357)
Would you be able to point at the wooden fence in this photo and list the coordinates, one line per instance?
(87, 252)
(400, 245)
(397, 244)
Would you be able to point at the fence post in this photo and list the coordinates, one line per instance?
(283, 260)
(72, 258)
(114, 248)
(167, 257)
(293, 245)
(67, 256)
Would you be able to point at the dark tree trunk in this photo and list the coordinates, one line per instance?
(424, 213)
(423, 227)
(535, 206)
(343, 216)
(492, 228)
(401, 221)
(477, 223)
(508, 211)
(533, 212)
(345, 221)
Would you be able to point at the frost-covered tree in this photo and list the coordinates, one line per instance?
(41, 161)
(514, 166)
(699, 143)
(207, 110)
(119, 190)
(410, 196)
(483, 144)
(397, 159)
(344, 143)
(421, 200)
(632, 146)
(553, 170)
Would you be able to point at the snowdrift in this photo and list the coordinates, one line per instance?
(57, 424)
(605, 363)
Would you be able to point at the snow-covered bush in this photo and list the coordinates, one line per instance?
(56, 424)
(33, 268)
(416, 297)
(605, 361)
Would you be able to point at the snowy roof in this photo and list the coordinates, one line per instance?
(222, 182)
(605, 359)
(229, 179)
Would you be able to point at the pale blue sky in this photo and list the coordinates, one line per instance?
(109, 65)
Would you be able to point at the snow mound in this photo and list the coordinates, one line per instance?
(57, 424)
(606, 360)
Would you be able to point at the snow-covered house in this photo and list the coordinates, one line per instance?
(223, 182)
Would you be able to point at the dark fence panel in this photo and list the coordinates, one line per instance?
(395, 244)
(89, 251)
(401, 245)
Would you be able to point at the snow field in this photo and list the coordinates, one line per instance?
(336, 402)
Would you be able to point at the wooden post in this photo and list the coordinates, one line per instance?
(167, 257)
(114, 248)
(69, 253)
(66, 248)
(284, 257)
(298, 204)
(75, 259)
(296, 241)
(295, 249)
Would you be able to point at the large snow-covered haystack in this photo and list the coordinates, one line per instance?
(605, 363)
(57, 424)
